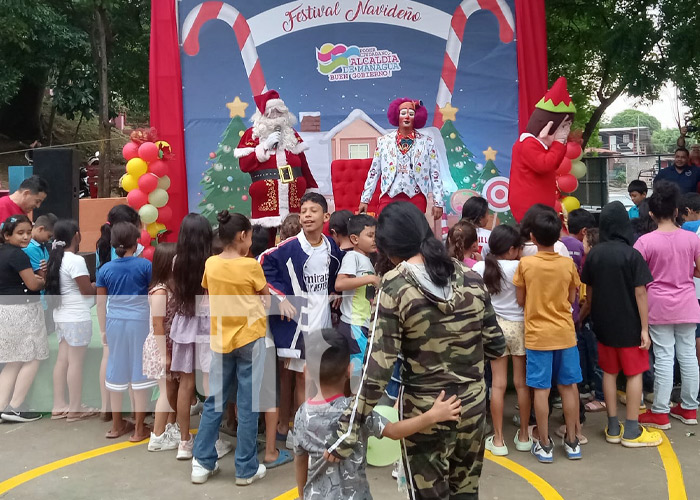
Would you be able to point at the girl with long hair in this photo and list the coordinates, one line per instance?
(498, 270)
(476, 211)
(463, 243)
(437, 313)
(71, 293)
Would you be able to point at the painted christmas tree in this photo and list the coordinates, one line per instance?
(224, 186)
(462, 165)
(489, 171)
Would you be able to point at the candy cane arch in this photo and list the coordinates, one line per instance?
(219, 10)
(506, 25)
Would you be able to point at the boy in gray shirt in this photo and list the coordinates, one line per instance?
(325, 477)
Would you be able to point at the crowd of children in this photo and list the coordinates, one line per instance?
(294, 332)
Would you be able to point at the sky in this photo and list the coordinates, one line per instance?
(662, 109)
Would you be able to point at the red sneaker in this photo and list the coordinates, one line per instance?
(658, 420)
(688, 417)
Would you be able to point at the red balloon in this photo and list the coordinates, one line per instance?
(573, 150)
(567, 183)
(148, 252)
(147, 183)
(130, 150)
(165, 215)
(148, 151)
(137, 198)
(158, 167)
(145, 238)
(564, 166)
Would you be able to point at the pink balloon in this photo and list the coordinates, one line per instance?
(148, 252)
(145, 238)
(165, 215)
(158, 167)
(573, 150)
(564, 166)
(148, 151)
(137, 198)
(567, 183)
(147, 183)
(130, 150)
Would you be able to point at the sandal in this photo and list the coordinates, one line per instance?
(561, 432)
(595, 406)
(58, 415)
(85, 412)
(128, 428)
(284, 457)
(137, 439)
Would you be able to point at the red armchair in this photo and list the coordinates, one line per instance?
(348, 178)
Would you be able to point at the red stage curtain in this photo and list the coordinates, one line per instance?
(165, 99)
(531, 32)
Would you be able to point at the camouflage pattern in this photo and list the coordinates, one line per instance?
(443, 344)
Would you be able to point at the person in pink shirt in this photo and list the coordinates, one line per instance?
(31, 193)
(673, 256)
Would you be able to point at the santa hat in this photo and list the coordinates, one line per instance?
(557, 99)
(269, 99)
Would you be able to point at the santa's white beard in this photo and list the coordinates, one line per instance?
(264, 126)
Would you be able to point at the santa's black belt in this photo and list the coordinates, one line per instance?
(284, 174)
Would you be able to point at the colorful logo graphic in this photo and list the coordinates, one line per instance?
(348, 62)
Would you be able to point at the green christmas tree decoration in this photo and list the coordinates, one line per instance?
(489, 171)
(224, 186)
(461, 161)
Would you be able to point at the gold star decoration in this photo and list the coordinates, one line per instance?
(236, 107)
(449, 112)
(490, 154)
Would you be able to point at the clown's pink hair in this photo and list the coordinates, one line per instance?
(393, 112)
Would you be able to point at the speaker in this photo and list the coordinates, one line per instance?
(59, 167)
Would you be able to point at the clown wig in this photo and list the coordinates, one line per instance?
(420, 119)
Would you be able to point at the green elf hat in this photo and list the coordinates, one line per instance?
(557, 99)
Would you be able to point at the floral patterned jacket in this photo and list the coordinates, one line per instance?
(421, 162)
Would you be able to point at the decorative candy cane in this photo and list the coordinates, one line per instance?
(506, 25)
(219, 10)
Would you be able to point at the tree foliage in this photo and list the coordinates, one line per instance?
(633, 117)
(664, 140)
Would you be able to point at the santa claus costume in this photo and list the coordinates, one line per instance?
(540, 150)
(272, 153)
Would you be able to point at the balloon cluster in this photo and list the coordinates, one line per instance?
(146, 182)
(570, 170)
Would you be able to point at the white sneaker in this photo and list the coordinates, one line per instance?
(223, 448)
(250, 480)
(184, 449)
(196, 408)
(174, 431)
(290, 440)
(200, 474)
(164, 442)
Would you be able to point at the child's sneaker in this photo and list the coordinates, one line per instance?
(200, 474)
(522, 445)
(543, 453)
(163, 442)
(645, 439)
(196, 408)
(250, 480)
(688, 417)
(658, 420)
(573, 450)
(223, 448)
(499, 451)
(614, 439)
(174, 431)
(290, 440)
(184, 449)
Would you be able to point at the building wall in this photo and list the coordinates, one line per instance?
(358, 132)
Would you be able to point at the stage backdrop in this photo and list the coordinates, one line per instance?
(337, 65)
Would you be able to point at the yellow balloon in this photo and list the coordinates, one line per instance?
(136, 167)
(129, 182)
(153, 229)
(570, 203)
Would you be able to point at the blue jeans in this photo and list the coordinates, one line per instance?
(678, 339)
(239, 365)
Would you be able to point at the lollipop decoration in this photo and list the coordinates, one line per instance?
(147, 183)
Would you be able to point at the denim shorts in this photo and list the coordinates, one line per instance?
(561, 365)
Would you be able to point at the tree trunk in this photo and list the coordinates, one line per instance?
(77, 128)
(21, 117)
(99, 50)
(605, 102)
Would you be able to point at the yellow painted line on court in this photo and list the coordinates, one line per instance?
(543, 487)
(288, 495)
(674, 473)
(20, 479)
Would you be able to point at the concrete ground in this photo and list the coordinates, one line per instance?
(606, 471)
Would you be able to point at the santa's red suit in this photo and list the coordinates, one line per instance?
(278, 178)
